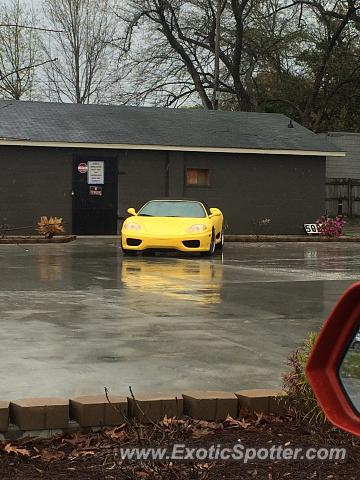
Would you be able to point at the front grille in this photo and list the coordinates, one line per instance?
(133, 242)
(191, 243)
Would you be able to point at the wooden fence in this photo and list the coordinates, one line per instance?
(343, 196)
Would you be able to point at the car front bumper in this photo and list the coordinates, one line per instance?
(185, 243)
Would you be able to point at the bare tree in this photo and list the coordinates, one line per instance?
(217, 45)
(83, 47)
(181, 38)
(299, 57)
(315, 81)
(19, 49)
(203, 49)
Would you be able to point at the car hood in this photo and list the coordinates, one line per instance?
(167, 225)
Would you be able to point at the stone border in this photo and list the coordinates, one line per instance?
(48, 416)
(35, 239)
(287, 238)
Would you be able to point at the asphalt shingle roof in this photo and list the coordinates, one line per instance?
(100, 124)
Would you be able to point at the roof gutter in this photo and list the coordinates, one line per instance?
(175, 148)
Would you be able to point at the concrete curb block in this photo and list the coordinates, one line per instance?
(210, 405)
(47, 416)
(4, 415)
(262, 400)
(40, 413)
(153, 407)
(95, 410)
(286, 238)
(34, 239)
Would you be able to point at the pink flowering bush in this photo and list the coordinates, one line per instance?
(330, 227)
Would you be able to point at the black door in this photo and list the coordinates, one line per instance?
(94, 196)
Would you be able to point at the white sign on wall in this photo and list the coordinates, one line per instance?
(311, 228)
(95, 173)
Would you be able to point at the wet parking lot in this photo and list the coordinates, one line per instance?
(77, 317)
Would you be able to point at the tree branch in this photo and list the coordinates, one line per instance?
(29, 67)
(31, 28)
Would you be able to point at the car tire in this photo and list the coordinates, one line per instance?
(219, 246)
(211, 251)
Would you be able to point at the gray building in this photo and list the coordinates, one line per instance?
(349, 167)
(89, 163)
(343, 175)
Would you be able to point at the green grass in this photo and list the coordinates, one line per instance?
(351, 365)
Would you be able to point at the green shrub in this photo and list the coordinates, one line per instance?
(301, 399)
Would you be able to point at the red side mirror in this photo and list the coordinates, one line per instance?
(333, 369)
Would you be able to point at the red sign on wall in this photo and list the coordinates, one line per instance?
(82, 168)
(97, 191)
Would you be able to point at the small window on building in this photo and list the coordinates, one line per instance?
(197, 176)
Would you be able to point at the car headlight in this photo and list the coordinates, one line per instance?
(197, 228)
(132, 226)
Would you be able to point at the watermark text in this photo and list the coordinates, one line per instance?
(180, 452)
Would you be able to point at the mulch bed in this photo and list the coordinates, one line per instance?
(94, 456)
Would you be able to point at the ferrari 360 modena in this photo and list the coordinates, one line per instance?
(183, 225)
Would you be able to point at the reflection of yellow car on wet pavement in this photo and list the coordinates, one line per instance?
(185, 225)
(180, 279)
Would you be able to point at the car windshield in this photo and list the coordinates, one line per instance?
(157, 208)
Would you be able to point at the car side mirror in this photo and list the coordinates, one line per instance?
(215, 212)
(333, 369)
(131, 211)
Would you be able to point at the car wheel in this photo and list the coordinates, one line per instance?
(220, 245)
(211, 250)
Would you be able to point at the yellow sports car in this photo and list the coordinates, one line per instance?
(185, 225)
